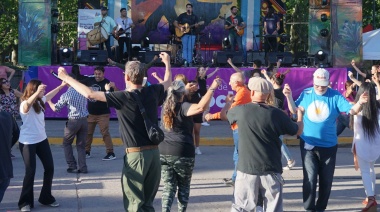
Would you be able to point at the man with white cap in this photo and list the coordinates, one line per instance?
(259, 167)
(319, 140)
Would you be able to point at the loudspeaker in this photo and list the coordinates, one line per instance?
(286, 57)
(98, 57)
(220, 57)
(147, 56)
(252, 56)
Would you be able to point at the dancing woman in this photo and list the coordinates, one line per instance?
(177, 152)
(366, 142)
(33, 141)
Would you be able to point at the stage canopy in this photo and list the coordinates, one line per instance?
(371, 45)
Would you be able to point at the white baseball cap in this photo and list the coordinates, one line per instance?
(321, 77)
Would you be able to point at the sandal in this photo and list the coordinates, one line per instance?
(371, 205)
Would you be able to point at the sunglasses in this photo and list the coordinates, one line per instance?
(5, 81)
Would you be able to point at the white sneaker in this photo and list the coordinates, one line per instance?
(198, 151)
(205, 124)
(290, 165)
(25, 208)
(259, 209)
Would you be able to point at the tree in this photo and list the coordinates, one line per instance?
(8, 29)
(68, 22)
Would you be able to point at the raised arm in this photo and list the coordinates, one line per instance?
(351, 76)
(113, 63)
(212, 73)
(51, 105)
(205, 101)
(264, 72)
(81, 88)
(30, 101)
(168, 71)
(229, 61)
(54, 92)
(288, 94)
(154, 74)
(300, 113)
(11, 71)
(17, 93)
(357, 69)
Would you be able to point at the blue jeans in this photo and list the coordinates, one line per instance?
(318, 162)
(188, 42)
(236, 40)
(284, 149)
(235, 158)
(4, 183)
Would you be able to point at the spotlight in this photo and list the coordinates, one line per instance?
(226, 43)
(145, 43)
(324, 17)
(321, 56)
(66, 56)
(324, 32)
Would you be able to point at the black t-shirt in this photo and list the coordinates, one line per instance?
(233, 20)
(131, 123)
(97, 107)
(260, 127)
(271, 23)
(179, 140)
(189, 19)
(202, 85)
(279, 98)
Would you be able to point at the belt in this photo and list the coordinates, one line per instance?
(140, 149)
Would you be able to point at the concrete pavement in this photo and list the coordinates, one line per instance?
(100, 189)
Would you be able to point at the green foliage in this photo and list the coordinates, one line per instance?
(68, 22)
(367, 12)
(297, 15)
(8, 27)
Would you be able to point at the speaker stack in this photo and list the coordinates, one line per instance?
(220, 57)
(92, 57)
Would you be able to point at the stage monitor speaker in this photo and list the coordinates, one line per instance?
(92, 57)
(252, 56)
(221, 57)
(286, 57)
(147, 56)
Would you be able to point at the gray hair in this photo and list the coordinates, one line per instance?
(135, 71)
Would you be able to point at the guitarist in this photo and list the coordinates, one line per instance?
(188, 39)
(123, 34)
(109, 25)
(233, 24)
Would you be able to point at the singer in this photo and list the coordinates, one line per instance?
(109, 25)
(188, 39)
(124, 35)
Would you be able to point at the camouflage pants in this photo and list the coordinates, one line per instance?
(176, 172)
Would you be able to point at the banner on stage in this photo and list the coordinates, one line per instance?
(86, 19)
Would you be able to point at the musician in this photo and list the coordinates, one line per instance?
(124, 33)
(188, 40)
(233, 24)
(109, 25)
(271, 27)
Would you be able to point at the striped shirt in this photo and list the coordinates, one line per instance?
(75, 102)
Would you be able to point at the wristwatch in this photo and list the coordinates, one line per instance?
(107, 92)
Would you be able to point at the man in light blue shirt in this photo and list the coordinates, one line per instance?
(109, 26)
(322, 105)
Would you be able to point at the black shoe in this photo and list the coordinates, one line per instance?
(88, 154)
(71, 170)
(83, 172)
(110, 156)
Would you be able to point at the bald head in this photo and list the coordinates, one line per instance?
(238, 77)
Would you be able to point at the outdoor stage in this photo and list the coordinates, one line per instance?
(298, 79)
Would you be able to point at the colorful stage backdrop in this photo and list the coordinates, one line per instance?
(298, 79)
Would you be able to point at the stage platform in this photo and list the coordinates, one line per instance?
(298, 79)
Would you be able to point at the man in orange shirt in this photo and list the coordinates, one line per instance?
(243, 96)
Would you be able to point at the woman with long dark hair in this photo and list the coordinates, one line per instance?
(366, 142)
(177, 151)
(8, 98)
(33, 142)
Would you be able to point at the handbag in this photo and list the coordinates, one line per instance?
(155, 134)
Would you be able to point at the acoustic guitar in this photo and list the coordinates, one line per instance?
(187, 28)
(239, 31)
(124, 31)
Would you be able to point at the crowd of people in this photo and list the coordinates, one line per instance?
(321, 113)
